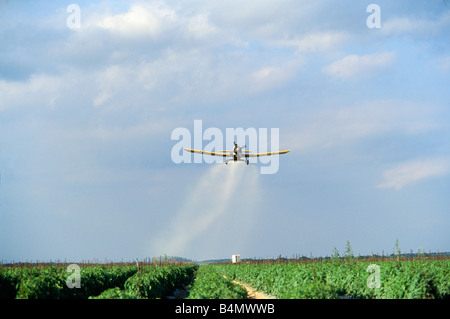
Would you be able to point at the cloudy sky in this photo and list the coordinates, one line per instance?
(91, 91)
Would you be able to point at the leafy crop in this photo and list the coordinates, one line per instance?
(209, 284)
(109, 282)
(418, 279)
(403, 279)
(116, 293)
(159, 282)
(51, 282)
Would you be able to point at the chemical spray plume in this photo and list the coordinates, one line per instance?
(215, 193)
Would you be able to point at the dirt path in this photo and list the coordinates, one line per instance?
(252, 293)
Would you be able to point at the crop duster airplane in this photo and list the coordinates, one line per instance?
(237, 154)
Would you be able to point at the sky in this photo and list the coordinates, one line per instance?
(91, 92)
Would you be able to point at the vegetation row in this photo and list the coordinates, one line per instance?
(419, 279)
(409, 279)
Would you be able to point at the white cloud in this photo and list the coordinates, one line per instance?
(129, 133)
(416, 26)
(414, 171)
(168, 25)
(101, 98)
(141, 19)
(340, 125)
(269, 77)
(199, 26)
(40, 87)
(354, 65)
(316, 41)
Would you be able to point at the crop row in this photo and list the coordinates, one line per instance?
(103, 282)
(209, 284)
(52, 282)
(117, 282)
(151, 283)
(327, 280)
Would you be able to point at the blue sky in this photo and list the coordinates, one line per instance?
(86, 117)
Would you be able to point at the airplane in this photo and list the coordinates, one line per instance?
(237, 153)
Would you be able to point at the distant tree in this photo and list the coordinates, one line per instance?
(335, 253)
(397, 249)
(349, 251)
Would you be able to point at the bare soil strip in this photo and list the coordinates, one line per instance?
(252, 293)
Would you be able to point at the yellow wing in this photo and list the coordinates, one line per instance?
(208, 153)
(266, 154)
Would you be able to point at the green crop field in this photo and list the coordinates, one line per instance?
(95, 281)
(408, 279)
(419, 278)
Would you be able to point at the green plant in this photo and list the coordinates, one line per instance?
(209, 284)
